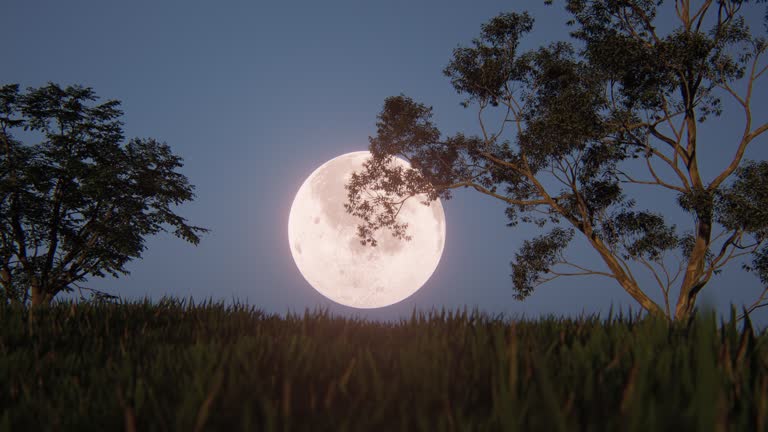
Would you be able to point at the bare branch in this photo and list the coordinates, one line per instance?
(759, 303)
(748, 134)
(482, 189)
(583, 270)
(664, 288)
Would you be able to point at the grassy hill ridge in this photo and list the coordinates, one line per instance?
(174, 365)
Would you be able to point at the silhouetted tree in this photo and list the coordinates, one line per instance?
(76, 200)
(564, 128)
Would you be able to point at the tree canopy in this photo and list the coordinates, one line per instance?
(76, 199)
(567, 127)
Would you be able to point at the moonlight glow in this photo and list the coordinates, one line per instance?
(328, 252)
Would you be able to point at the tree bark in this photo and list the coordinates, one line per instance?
(692, 283)
(626, 282)
(5, 279)
(38, 295)
(7, 285)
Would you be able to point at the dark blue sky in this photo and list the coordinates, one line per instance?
(256, 95)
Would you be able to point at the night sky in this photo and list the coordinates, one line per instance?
(256, 95)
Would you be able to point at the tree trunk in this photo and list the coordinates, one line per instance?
(626, 282)
(692, 282)
(5, 280)
(38, 295)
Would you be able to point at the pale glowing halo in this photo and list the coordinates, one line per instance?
(328, 253)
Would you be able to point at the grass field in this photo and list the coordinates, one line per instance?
(182, 367)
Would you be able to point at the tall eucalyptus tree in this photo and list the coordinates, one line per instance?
(568, 126)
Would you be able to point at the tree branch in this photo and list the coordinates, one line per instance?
(748, 135)
(759, 303)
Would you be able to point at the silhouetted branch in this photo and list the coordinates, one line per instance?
(759, 303)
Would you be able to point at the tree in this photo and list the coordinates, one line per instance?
(566, 128)
(80, 201)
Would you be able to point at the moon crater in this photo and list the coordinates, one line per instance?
(328, 253)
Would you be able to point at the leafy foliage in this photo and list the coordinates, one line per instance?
(743, 207)
(536, 257)
(578, 123)
(644, 235)
(80, 201)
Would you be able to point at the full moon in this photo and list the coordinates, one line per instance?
(324, 242)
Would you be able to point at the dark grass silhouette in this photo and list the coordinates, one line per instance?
(176, 365)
